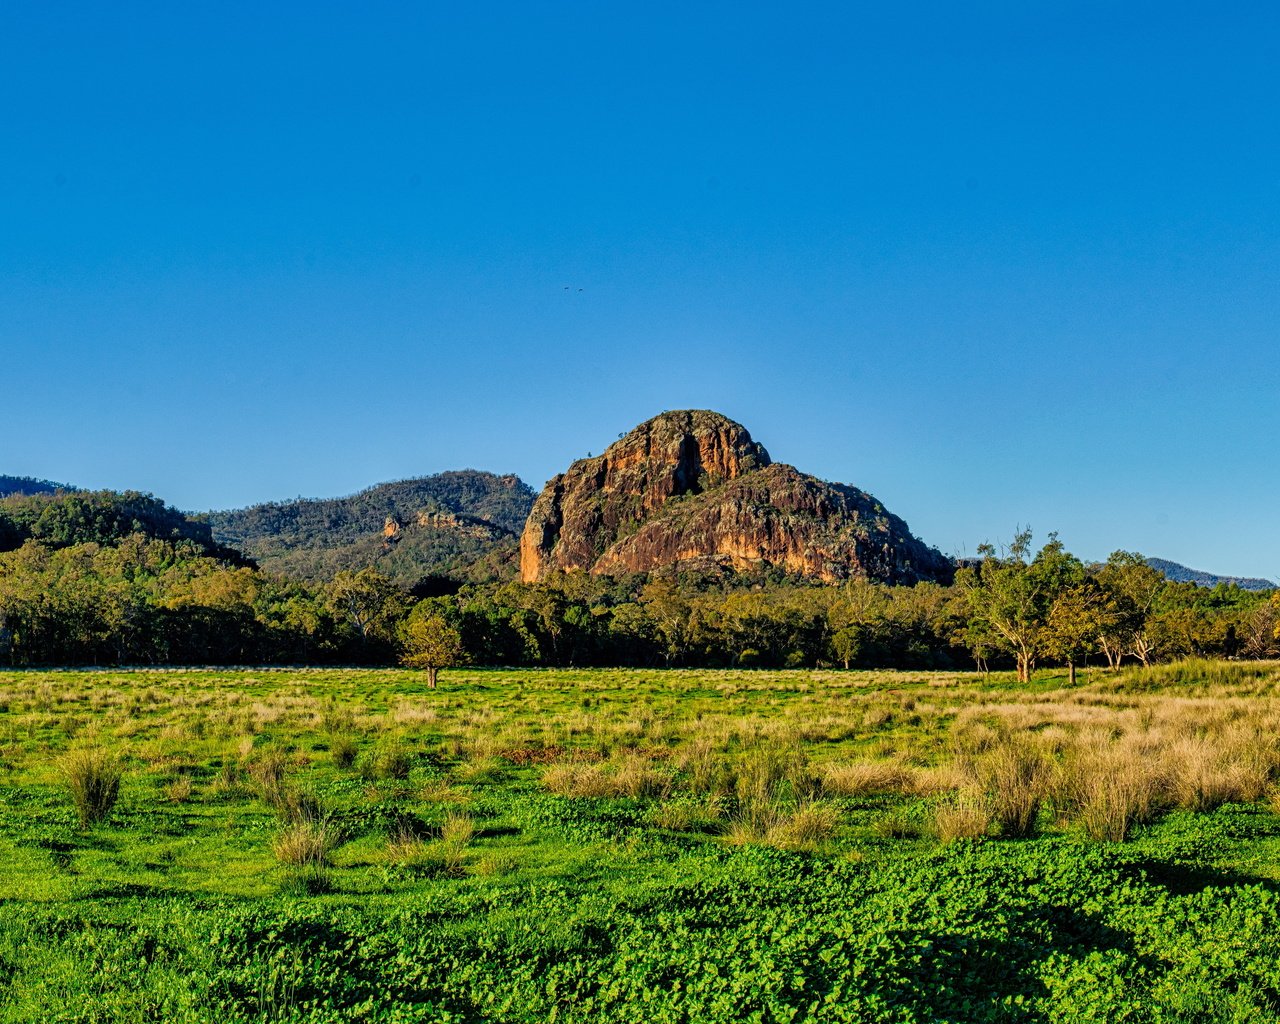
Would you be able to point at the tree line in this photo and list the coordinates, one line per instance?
(175, 599)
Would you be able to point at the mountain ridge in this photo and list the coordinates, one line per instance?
(1181, 574)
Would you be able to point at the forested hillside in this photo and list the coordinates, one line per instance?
(29, 485)
(462, 523)
(66, 519)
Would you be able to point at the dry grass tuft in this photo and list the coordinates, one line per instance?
(1110, 785)
(804, 828)
(343, 751)
(389, 760)
(860, 778)
(305, 843)
(628, 775)
(92, 777)
(179, 790)
(966, 817)
(1014, 773)
(458, 828)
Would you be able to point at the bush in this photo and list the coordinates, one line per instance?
(92, 778)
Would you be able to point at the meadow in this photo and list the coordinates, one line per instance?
(629, 845)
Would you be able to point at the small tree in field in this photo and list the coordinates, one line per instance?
(430, 643)
(1076, 618)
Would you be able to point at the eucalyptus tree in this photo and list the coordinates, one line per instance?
(1010, 595)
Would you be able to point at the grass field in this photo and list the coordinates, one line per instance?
(345, 845)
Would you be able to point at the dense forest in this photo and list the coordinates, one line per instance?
(106, 578)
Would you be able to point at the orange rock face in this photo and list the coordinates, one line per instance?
(692, 488)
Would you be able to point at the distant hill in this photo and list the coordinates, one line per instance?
(67, 518)
(1181, 574)
(462, 523)
(30, 485)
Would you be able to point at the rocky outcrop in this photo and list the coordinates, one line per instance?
(582, 510)
(692, 489)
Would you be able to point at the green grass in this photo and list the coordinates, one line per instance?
(736, 886)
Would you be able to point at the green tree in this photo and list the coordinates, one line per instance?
(367, 601)
(1132, 590)
(430, 643)
(1076, 619)
(1010, 595)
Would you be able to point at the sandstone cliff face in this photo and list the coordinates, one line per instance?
(692, 489)
(780, 517)
(582, 510)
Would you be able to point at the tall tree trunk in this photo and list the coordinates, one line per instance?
(432, 672)
(1071, 672)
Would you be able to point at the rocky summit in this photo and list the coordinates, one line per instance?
(692, 489)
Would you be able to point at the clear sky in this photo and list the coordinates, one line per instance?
(998, 264)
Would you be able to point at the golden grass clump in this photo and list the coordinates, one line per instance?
(92, 778)
(481, 771)
(390, 760)
(860, 778)
(343, 751)
(768, 775)
(577, 780)
(1207, 772)
(178, 790)
(1014, 773)
(305, 843)
(1110, 785)
(965, 817)
(457, 829)
(628, 775)
(686, 815)
(267, 768)
(804, 828)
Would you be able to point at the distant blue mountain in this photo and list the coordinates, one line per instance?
(30, 485)
(1181, 574)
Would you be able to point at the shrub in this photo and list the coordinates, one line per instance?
(92, 778)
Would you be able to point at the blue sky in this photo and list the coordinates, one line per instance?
(997, 264)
